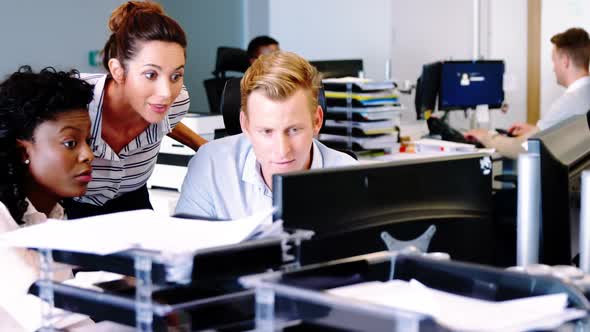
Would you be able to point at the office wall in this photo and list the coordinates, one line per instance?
(56, 33)
(208, 25)
(557, 16)
(335, 29)
(507, 38)
(424, 33)
(410, 33)
(256, 20)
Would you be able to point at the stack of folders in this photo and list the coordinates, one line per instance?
(361, 114)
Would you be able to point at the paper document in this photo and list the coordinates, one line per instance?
(427, 144)
(140, 229)
(463, 313)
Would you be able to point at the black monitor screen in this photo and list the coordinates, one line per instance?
(338, 68)
(427, 88)
(348, 207)
(564, 151)
(466, 84)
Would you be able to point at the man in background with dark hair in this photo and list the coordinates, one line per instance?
(570, 56)
(261, 45)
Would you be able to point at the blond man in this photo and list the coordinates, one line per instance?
(231, 177)
(570, 56)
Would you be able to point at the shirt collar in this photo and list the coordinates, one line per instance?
(579, 83)
(317, 160)
(33, 217)
(252, 172)
(99, 146)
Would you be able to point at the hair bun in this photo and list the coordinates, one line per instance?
(131, 8)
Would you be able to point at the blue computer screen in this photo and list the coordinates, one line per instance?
(465, 84)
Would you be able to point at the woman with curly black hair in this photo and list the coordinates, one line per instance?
(44, 158)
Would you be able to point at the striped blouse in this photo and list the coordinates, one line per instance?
(115, 174)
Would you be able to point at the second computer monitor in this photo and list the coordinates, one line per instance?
(338, 68)
(466, 84)
(427, 88)
(564, 152)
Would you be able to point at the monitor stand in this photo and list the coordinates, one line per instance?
(479, 117)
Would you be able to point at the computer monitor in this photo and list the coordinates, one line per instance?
(466, 84)
(338, 68)
(564, 152)
(349, 207)
(427, 89)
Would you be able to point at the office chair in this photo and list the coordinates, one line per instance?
(230, 109)
(229, 59)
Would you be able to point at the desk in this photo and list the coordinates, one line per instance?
(173, 158)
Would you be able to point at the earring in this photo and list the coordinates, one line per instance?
(27, 161)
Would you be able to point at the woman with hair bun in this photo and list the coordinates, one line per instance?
(141, 99)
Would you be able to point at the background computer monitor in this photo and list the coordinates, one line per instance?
(339, 68)
(564, 151)
(427, 88)
(466, 84)
(349, 207)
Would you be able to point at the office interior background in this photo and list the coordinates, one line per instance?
(64, 33)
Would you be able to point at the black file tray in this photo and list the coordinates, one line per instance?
(223, 262)
(186, 308)
(204, 295)
(297, 297)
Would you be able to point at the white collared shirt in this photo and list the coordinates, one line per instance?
(224, 180)
(20, 269)
(574, 101)
(115, 174)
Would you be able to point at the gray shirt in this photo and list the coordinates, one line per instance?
(224, 179)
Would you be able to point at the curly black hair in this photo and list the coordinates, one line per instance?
(28, 99)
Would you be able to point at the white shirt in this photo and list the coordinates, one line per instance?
(575, 100)
(224, 180)
(20, 269)
(115, 174)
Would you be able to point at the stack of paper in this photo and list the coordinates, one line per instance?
(140, 229)
(366, 128)
(364, 113)
(359, 99)
(463, 313)
(358, 84)
(365, 143)
(361, 115)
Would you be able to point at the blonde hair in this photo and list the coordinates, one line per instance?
(279, 75)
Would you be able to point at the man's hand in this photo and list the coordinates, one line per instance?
(521, 128)
(481, 135)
